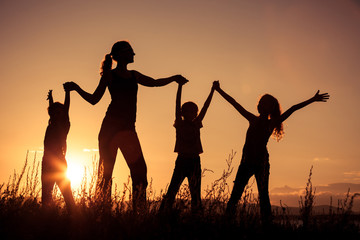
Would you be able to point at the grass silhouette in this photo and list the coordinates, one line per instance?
(22, 215)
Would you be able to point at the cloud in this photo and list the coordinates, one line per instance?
(356, 173)
(38, 151)
(334, 193)
(352, 175)
(90, 150)
(321, 159)
(335, 188)
(285, 190)
(339, 188)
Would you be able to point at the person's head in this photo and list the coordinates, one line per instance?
(189, 111)
(121, 52)
(56, 112)
(269, 107)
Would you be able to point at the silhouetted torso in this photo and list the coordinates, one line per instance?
(55, 138)
(122, 108)
(188, 137)
(257, 137)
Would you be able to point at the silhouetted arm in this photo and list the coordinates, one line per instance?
(67, 101)
(316, 98)
(150, 82)
(178, 102)
(206, 105)
(67, 106)
(93, 98)
(50, 98)
(249, 116)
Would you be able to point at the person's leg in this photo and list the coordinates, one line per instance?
(47, 183)
(130, 147)
(262, 180)
(107, 150)
(175, 183)
(195, 185)
(65, 187)
(242, 177)
(46, 190)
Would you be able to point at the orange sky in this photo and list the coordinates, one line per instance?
(286, 48)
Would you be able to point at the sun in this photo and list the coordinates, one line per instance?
(75, 173)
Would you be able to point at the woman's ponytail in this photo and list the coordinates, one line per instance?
(106, 64)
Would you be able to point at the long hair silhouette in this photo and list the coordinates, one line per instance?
(270, 106)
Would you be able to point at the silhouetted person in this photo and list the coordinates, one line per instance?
(255, 158)
(118, 127)
(54, 164)
(188, 146)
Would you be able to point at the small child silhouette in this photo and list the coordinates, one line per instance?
(188, 146)
(255, 158)
(54, 164)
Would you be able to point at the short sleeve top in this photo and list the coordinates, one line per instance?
(55, 138)
(188, 137)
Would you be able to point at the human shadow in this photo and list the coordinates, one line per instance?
(118, 127)
(255, 158)
(54, 164)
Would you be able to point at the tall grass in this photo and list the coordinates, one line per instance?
(22, 215)
(307, 202)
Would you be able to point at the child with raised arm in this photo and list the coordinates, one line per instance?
(255, 158)
(188, 146)
(54, 164)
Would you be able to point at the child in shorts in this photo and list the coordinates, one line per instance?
(188, 146)
(54, 164)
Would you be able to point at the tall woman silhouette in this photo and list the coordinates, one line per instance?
(118, 127)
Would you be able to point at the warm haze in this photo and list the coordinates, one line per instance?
(289, 49)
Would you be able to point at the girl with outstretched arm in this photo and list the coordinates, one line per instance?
(255, 158)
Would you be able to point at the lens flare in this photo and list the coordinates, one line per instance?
(75, 173)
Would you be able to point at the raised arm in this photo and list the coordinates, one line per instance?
(67, 101)
(206, 104)
(93, 98)
(316, 98)
(50, 98)
(178, 102)
(248, 115)
(150, 82)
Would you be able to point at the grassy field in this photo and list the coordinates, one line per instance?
(22, 216)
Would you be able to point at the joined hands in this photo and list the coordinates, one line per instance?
(180, 79)
(70, 86)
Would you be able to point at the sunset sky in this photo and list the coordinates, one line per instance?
(287, 48)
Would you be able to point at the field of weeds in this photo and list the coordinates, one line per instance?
(22, 215)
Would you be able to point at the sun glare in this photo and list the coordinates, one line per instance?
(75, 172)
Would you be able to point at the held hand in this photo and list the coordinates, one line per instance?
(49, 96)
(216, 85)
(323, 97)
(180, 79)
(70, 86)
